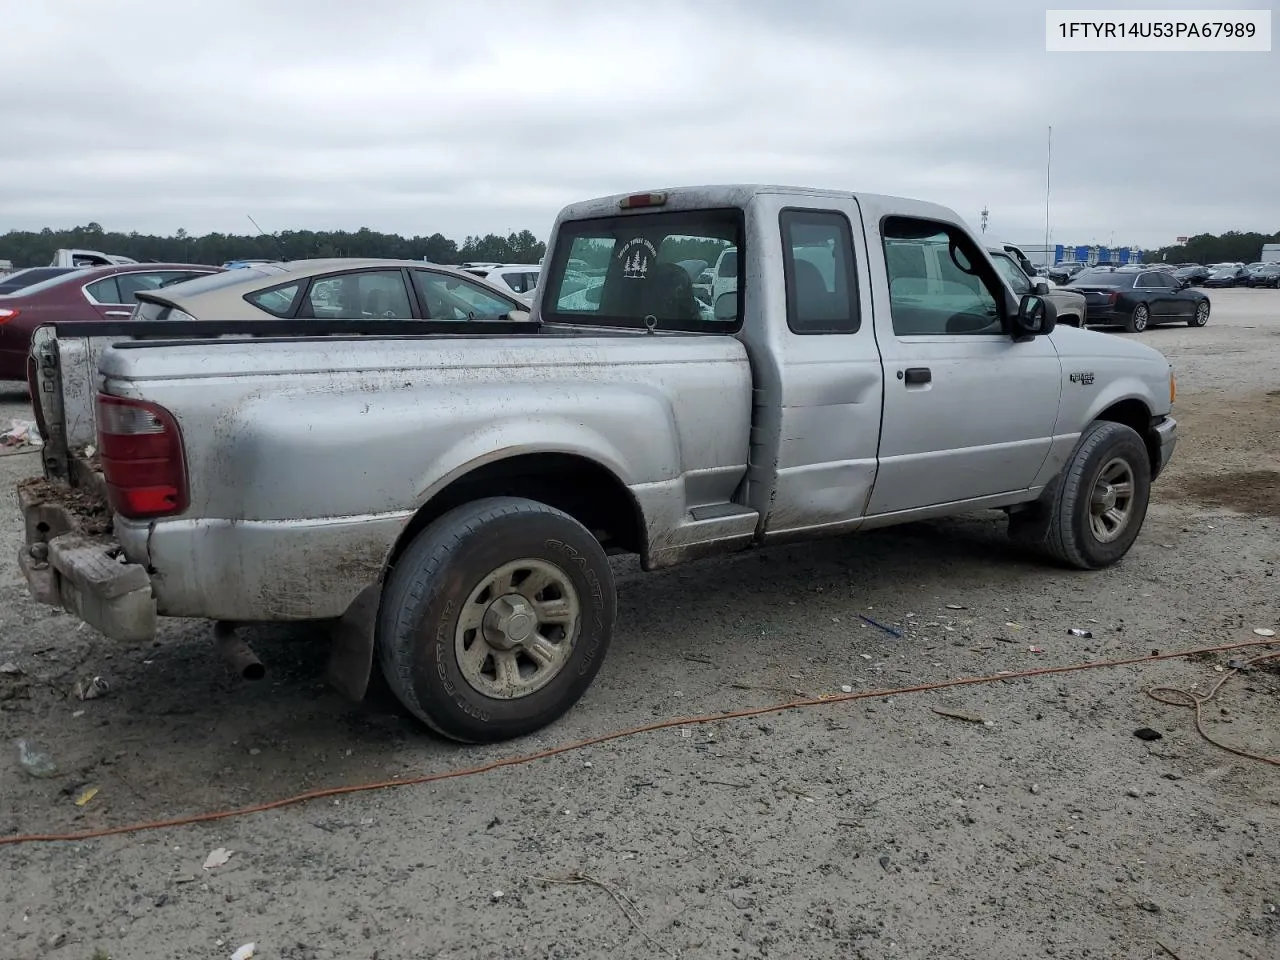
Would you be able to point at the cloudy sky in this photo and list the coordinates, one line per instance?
(476, 117)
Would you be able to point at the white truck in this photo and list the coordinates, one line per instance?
(447, 497)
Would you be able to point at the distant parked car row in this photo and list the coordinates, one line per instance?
(1136, 298)
(338, 289)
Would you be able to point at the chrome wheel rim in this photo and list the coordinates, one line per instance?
(517, 629)
(1111, 503)
(1202, 314)
(1140, 318)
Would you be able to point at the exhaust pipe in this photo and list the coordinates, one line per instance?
(238, 654)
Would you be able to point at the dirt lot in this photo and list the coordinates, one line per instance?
(876, 829)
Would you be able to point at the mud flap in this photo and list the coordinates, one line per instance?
(351, 654)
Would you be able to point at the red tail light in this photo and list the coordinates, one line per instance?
(143, 460)
(6, 315)
(1112, 298)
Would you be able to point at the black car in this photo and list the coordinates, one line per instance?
(1267, 275)
(1226, 275)
(1192, 274)
(1137, 300)
(1062, 272)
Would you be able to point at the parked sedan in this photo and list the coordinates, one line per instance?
(335, 289)
(1267, 275)
(1226, 275)
(1063, 272)
(96, 293)
(1136, 301)
(1192, 274)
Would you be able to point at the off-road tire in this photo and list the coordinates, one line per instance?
(433, 578)
(1058, 526)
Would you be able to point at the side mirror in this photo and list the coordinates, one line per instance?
(726, 307)
(593, 295)
(1033, 318)
(1039, 287)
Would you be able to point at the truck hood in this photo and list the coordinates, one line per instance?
(1073, 343)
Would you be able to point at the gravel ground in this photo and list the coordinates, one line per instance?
(873, 829)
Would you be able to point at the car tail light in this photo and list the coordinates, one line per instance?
(6, 314)
(1112, 298)
(143, 461)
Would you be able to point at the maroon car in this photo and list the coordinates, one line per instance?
(99, 293)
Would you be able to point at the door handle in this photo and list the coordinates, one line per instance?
(118, 313)
(917, 375)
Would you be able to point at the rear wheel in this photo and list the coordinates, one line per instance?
(1096, 507)
(1138, 319)
(1201, 316)
(495, 619)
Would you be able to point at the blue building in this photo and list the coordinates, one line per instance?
(1097, 255)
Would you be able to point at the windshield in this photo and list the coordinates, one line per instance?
(67, 274)
(223, 278)
(1103, 278)
(626, 270)
(1012, 273)
(29, 277)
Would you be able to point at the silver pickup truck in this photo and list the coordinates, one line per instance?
(446, 499)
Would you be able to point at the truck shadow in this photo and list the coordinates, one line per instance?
(177, 731)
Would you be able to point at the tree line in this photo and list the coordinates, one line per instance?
(1205, 248)
(36, 249)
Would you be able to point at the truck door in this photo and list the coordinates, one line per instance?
(818, 380)
(968, 412)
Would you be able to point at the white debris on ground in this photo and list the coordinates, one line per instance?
(21, 433)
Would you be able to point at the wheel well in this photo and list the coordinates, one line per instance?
(588, 492)
(1134, 414)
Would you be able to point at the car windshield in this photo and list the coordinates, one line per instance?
(68, 274)
(223, 278)
(23, 279)
(637, 271)
(1103, 278)
(1012, 273)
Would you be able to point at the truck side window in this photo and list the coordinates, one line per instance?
(822, 288)
(937, 281)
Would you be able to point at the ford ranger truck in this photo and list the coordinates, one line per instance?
(447, 501)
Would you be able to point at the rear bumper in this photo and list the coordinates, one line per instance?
(85, 574)
(1105, 316)
(1166, 434)
(237, 570)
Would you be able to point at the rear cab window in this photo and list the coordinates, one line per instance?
(620, 270)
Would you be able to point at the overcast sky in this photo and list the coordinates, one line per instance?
(476, 117)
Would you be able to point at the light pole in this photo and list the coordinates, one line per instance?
(984, 219)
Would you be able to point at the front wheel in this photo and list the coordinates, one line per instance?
(495, 619)
(1201, 316)
(1138, 319)
(1092, 514)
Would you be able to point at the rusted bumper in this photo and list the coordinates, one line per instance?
(87, 575)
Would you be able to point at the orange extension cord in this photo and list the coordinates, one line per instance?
(1189, 700)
